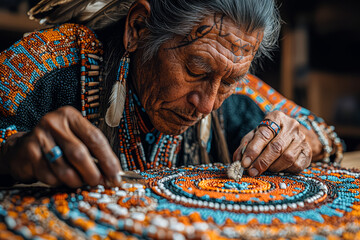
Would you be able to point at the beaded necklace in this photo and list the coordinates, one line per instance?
(133, 129)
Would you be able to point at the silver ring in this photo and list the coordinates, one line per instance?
(54, 154)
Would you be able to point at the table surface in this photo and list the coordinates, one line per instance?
(351, 160)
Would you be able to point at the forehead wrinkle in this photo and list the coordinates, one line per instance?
(226, 52)
(219, 57)
(237, 46)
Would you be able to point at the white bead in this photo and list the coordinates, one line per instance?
(94, 194)
(152, 230)
(178, 236)
(138, 216)
(104, 200)
(282, 185)
(10, 222)
(138, 186)
(201, 226)
(126, 185)
(160, 222)
(120, 193)
(293, 205)
(129, 222)
(179, 227)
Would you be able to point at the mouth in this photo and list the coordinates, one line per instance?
(184, 120)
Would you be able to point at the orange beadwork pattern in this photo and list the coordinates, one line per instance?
(193, 202)
(38, 54)
(266, 97)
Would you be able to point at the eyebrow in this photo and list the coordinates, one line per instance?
(201, 63)
(239, 78)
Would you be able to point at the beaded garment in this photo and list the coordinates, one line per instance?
(28, 91)
(193, 202)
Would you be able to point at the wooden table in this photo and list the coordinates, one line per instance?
(351, 160)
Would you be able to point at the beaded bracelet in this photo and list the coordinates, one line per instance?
(321, 129)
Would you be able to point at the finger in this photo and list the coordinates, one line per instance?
(288, 158)
(23, 169)
(240, 150)
(75, 152)
(62, 170)
(79, 157)
(262, 136)
(99, 146)
(271, 153)
(303, 161)
(44, 174)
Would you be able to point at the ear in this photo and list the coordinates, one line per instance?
(135, 24)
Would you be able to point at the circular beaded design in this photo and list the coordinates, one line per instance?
(196, 202)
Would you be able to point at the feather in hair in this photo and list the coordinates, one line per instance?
(117, 102)
(92, 13)
(118, 95)
(110, 13)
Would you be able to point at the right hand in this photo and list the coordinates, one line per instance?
(24, 154)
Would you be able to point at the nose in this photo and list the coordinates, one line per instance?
(205, 101)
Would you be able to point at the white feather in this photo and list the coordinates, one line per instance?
(117, 103)
(205, 126)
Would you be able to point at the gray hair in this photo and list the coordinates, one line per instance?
(169, 18)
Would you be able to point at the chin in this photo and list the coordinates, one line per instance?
(171, 130)
(168, 124)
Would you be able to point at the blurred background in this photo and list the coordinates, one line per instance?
(316, 65)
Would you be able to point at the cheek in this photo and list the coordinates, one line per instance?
(222, 96)
(171, 85)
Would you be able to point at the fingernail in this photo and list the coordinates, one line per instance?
(246, 162)
(253, 172)
(243, 150)
(118, 179)
(108, 183)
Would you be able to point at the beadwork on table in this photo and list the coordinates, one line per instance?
(194, 202)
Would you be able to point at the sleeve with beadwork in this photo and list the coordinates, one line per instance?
(267, 99)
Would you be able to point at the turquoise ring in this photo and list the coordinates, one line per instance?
(54, 154)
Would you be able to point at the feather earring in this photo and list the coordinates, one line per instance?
(118, 94)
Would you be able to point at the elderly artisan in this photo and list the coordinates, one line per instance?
(126, 85)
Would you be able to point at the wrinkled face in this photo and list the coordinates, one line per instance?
(192, 75)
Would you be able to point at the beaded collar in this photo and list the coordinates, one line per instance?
(134, 131)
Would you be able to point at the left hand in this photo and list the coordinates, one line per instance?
(287, 151)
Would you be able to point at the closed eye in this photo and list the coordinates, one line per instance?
(194, 75)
